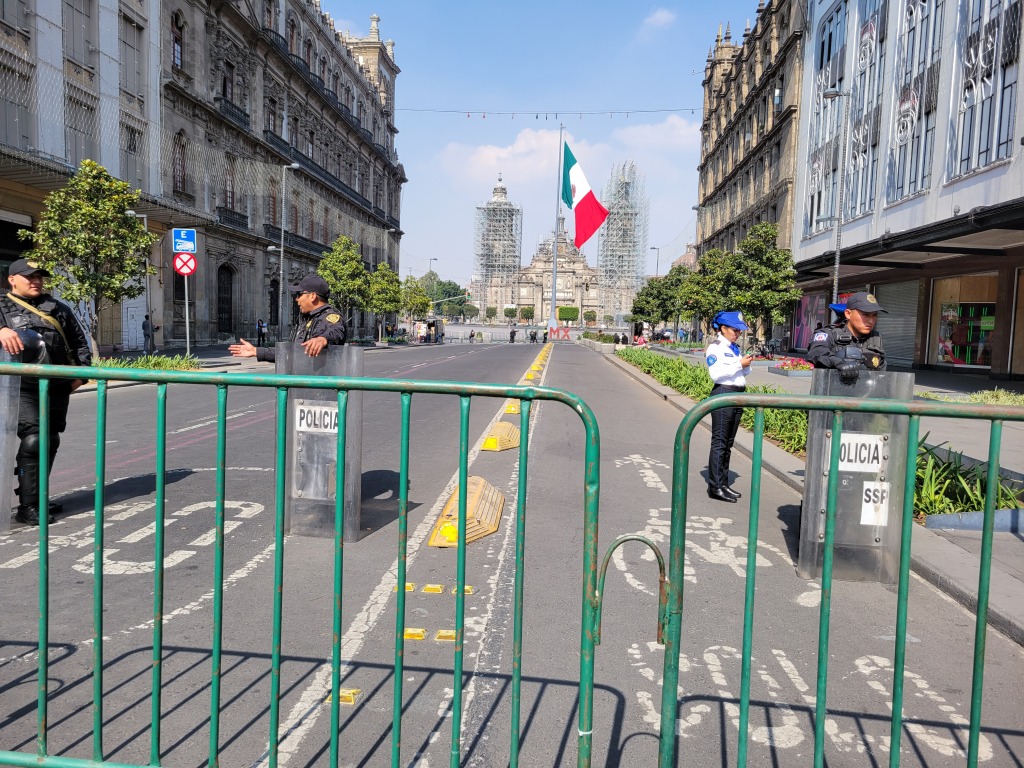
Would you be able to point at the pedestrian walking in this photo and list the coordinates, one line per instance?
(512, 335)
(728, 368)
(149, 335)
(261, 333)
(42, 330)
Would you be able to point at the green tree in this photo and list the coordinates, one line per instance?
(627, 318)
(450, 309)
(343, 269)
(491, 313)
(470, 310)
(590, 316)
(96, 255)
(430, 284)
(609, 319)
(711, 288)
(452, 293)
(415, 302)
(510, 312)
(569, 314)
(385, 295)
(650, 304)
(765, 279)
(526, 313)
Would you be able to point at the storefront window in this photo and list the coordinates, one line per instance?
(964, 317)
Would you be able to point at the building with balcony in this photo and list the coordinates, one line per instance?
(911, 173)
(200, 107)
(749, 128)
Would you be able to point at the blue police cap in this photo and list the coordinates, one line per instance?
(730, 319)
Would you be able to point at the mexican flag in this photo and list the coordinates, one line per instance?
(577, 194)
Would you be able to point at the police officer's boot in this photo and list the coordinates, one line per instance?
(28, 492)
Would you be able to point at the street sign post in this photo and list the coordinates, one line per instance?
(185, 250)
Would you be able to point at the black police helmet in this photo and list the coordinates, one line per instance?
(35, 351)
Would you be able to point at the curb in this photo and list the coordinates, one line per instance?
(91, 386)
(944, 565)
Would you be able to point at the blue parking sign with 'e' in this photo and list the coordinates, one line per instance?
(184, 241)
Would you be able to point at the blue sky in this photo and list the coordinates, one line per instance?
(546, 62)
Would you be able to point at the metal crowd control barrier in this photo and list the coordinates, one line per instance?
(672, 623)
(223, 381)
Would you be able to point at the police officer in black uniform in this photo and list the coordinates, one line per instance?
(854, 345)
(43, 331)
(319, 323)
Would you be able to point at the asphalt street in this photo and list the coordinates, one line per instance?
(637, 432)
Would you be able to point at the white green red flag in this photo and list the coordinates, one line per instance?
(577, 194)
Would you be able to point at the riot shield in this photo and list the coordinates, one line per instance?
(872, 463)
(311, 485)
(10, 386)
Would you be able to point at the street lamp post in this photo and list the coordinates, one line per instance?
(430, 263)
(281, 288)
(657, 261)
(832, 94)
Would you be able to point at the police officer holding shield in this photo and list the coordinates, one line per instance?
(853, 345)
(728, 368)
(319, 323)
(43, 331)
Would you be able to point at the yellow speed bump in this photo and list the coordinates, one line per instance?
(434, 589)
(409, 587)
(511, 406)
(412, 633)
(484, 504)
(346, 695)
(445, 634)
(503, 435)
(529, 376)
(536, 367)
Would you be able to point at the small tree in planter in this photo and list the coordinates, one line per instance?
(590, 317)
(385, 295)
(343, 270)
(95, 253)
(568, 314)
(526, 313)
(510, 312)
(470, 311)
(490, 313)
(608, 319)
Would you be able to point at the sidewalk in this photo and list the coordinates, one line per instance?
(946, 558)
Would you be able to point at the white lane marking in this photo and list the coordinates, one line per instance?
(303, 715)
(184, 610)
(949, 746)
(200, 424)
(211, 535)
(113, 567)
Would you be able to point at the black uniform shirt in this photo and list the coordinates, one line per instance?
(829, 347)
(323, 321)
(70, 348)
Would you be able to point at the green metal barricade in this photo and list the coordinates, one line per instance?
(405, 390)
(671, 624)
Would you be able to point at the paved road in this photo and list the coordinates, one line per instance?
(636, 433)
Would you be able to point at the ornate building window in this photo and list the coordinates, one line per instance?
(988, 50)
(272, 202)
(229, 185)
(177, 41)
(916, 87)
(293, 36)
(825, 128)
(268, 14)
(227, 86)
(271, 116)
(178, 163)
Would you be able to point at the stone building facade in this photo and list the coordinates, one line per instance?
(749, 129)
(200, 106)
(577, 280)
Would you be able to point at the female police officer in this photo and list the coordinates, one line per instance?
(728, 369)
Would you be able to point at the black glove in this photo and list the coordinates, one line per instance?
(849, 371)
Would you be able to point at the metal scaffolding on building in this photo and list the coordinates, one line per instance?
(622, 250)
(498, 249)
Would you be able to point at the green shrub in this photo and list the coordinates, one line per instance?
(945, 486)
(995, 396)
(151, 362)
(787, 427)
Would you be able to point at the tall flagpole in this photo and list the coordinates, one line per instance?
(553, 320)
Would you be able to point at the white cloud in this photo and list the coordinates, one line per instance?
(675, 133)
(660, 17)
